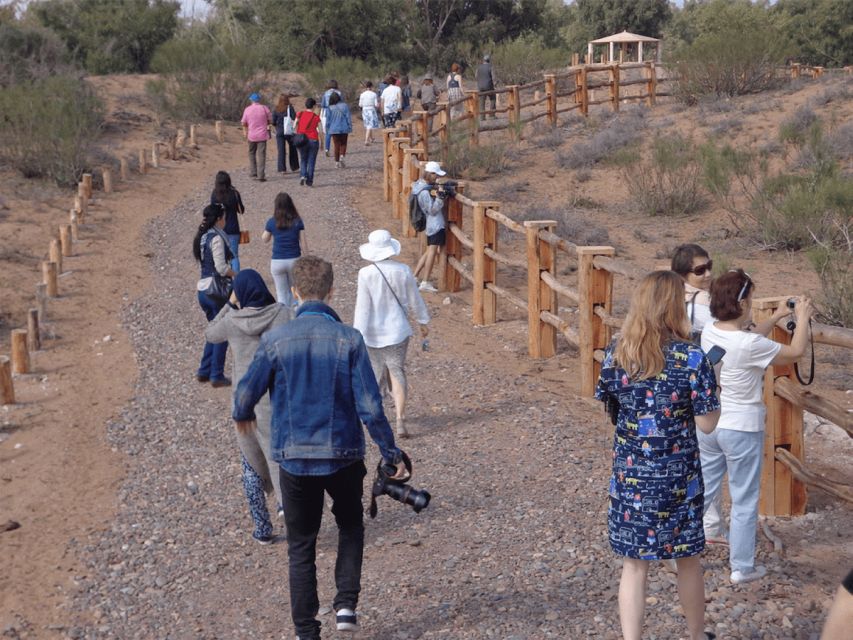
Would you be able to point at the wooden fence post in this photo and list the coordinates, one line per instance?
(386, 164)
(107, 175)
(124, 170)
(75, 232)
(595, 289)
(65, 240)
(48, 271)
(423, 122)
(781, 493)
(155, 155)
(55, 254)
(484, 301)
(81, 202)
(576, 59)
(444, 130)
(472, 106)
(41, 300)
(448, 278)
(514, 111)
(220, 131)
(614, 87)
(7, 388)
(411, 172)
(541, 256)
(86, 179)
(143, 162)
(20, 353)
(582, 93)
(33, 334)
(397, 175)
(192, 135)
(551, 92)
(652, 84)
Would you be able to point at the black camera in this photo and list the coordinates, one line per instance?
(447, 189)
(385, 485)
(791, 302)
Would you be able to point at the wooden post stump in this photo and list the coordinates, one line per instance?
(192, 136)
(124, 170)
(181, 138)
(155, 155)
(65, 240)
(7, 388)
(20, 353)
(49, 276)
(33, 334)
(484, 301)
(541, 257)
(55, 254)
(595, 289)
(107, 175)
(81, 202)
(143, 162)
(173, 147)
(75, 232)
(781, 493)
(220, 131)
(87, 184)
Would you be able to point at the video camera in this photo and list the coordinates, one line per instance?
(447, 188)
(385, 484)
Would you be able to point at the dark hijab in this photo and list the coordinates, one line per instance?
(250, 289)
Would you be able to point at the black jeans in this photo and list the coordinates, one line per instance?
(292, 154)
(303, 510)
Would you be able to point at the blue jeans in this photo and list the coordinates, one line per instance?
(307, 159)
(234, 245)
(213, 359)
(739, 453)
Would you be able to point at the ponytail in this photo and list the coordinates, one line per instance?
(212, 213)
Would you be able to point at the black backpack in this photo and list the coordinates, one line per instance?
(417, 217)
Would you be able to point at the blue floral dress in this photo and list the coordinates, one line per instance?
(656, 487)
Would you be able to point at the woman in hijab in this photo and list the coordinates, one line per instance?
(251, 312)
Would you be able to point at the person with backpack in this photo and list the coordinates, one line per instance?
(387, 293)
(339, 126)
(307, 140)
(331, 89)
(455, 92)
(227, 196)
(283, 119)
(426, 210)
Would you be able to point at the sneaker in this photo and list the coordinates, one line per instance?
(222, 382)
(280, 512)
(338, 164)
(264, 540)
(426, 286)
(327, 153)
(342, 163)
(719, 539)
(740, 577)
(202, 378)
(262, 179)
(346, 620)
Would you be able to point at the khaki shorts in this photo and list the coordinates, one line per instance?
(391, 359)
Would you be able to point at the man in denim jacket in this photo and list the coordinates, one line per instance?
(322, 387)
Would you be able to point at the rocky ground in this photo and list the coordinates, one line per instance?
(514, 543)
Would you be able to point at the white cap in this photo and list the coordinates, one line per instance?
(433, 167)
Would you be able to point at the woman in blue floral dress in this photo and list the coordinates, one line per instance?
(665, 388)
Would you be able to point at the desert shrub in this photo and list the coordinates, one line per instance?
(668, 182)
(477, 162)
(726, 125)
(573, 223)
(48, 126)
(834, 266)
(349, 72)
(30, 53)
(204, 79)
(610, 138)
(524, 59)
(794, 129)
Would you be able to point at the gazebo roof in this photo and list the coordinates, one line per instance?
(625, 36)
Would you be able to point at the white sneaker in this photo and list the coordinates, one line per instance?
(338, 164)
(740, 577)
(343, 164)
(346, 620)
(426, 286)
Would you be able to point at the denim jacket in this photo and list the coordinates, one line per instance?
(321, 387)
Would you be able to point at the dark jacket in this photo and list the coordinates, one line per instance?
(322, 388)
(233, 205)
(485, 80)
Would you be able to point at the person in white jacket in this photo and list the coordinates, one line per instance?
(387, 293)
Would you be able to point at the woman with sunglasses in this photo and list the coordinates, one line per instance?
(736, 446)
(694, 265)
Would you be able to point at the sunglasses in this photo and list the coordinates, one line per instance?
(744, 290)
(702, 268)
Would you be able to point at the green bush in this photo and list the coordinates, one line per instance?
(201, 79)
(524, 59)
(465, 160)
(48, 126)
(30, 53)
(834, 266)
(668, 182)
(350, 74)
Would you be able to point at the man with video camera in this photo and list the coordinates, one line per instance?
(430, 199)
(322, 388)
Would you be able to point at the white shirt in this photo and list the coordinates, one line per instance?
(742, 376)
(368, 100)
(698, 307)
(378, 315)
(392, 99)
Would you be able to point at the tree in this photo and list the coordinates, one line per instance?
(821, 30)
(591, 19)
(110, 36)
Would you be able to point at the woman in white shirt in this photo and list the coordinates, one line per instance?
(693, 264)
(387, 293)
(369, 103)
(737, 444)
(392, 102)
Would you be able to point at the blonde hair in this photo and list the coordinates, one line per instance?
(656, 317)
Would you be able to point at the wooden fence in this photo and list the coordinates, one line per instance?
(473, 253)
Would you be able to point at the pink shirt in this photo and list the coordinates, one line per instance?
(256, 117)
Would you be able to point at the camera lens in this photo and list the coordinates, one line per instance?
(791, 303)
(418, 500)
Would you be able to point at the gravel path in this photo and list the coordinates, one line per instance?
(513, 546)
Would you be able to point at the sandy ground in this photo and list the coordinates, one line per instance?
(58, 476)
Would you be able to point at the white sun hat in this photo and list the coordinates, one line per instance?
(380, 245)
(433, 167)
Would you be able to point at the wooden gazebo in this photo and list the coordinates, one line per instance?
(624, 39)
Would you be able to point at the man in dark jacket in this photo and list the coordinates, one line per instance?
(322, 388)
(486, 82)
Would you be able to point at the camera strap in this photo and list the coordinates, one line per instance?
(797, 366)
